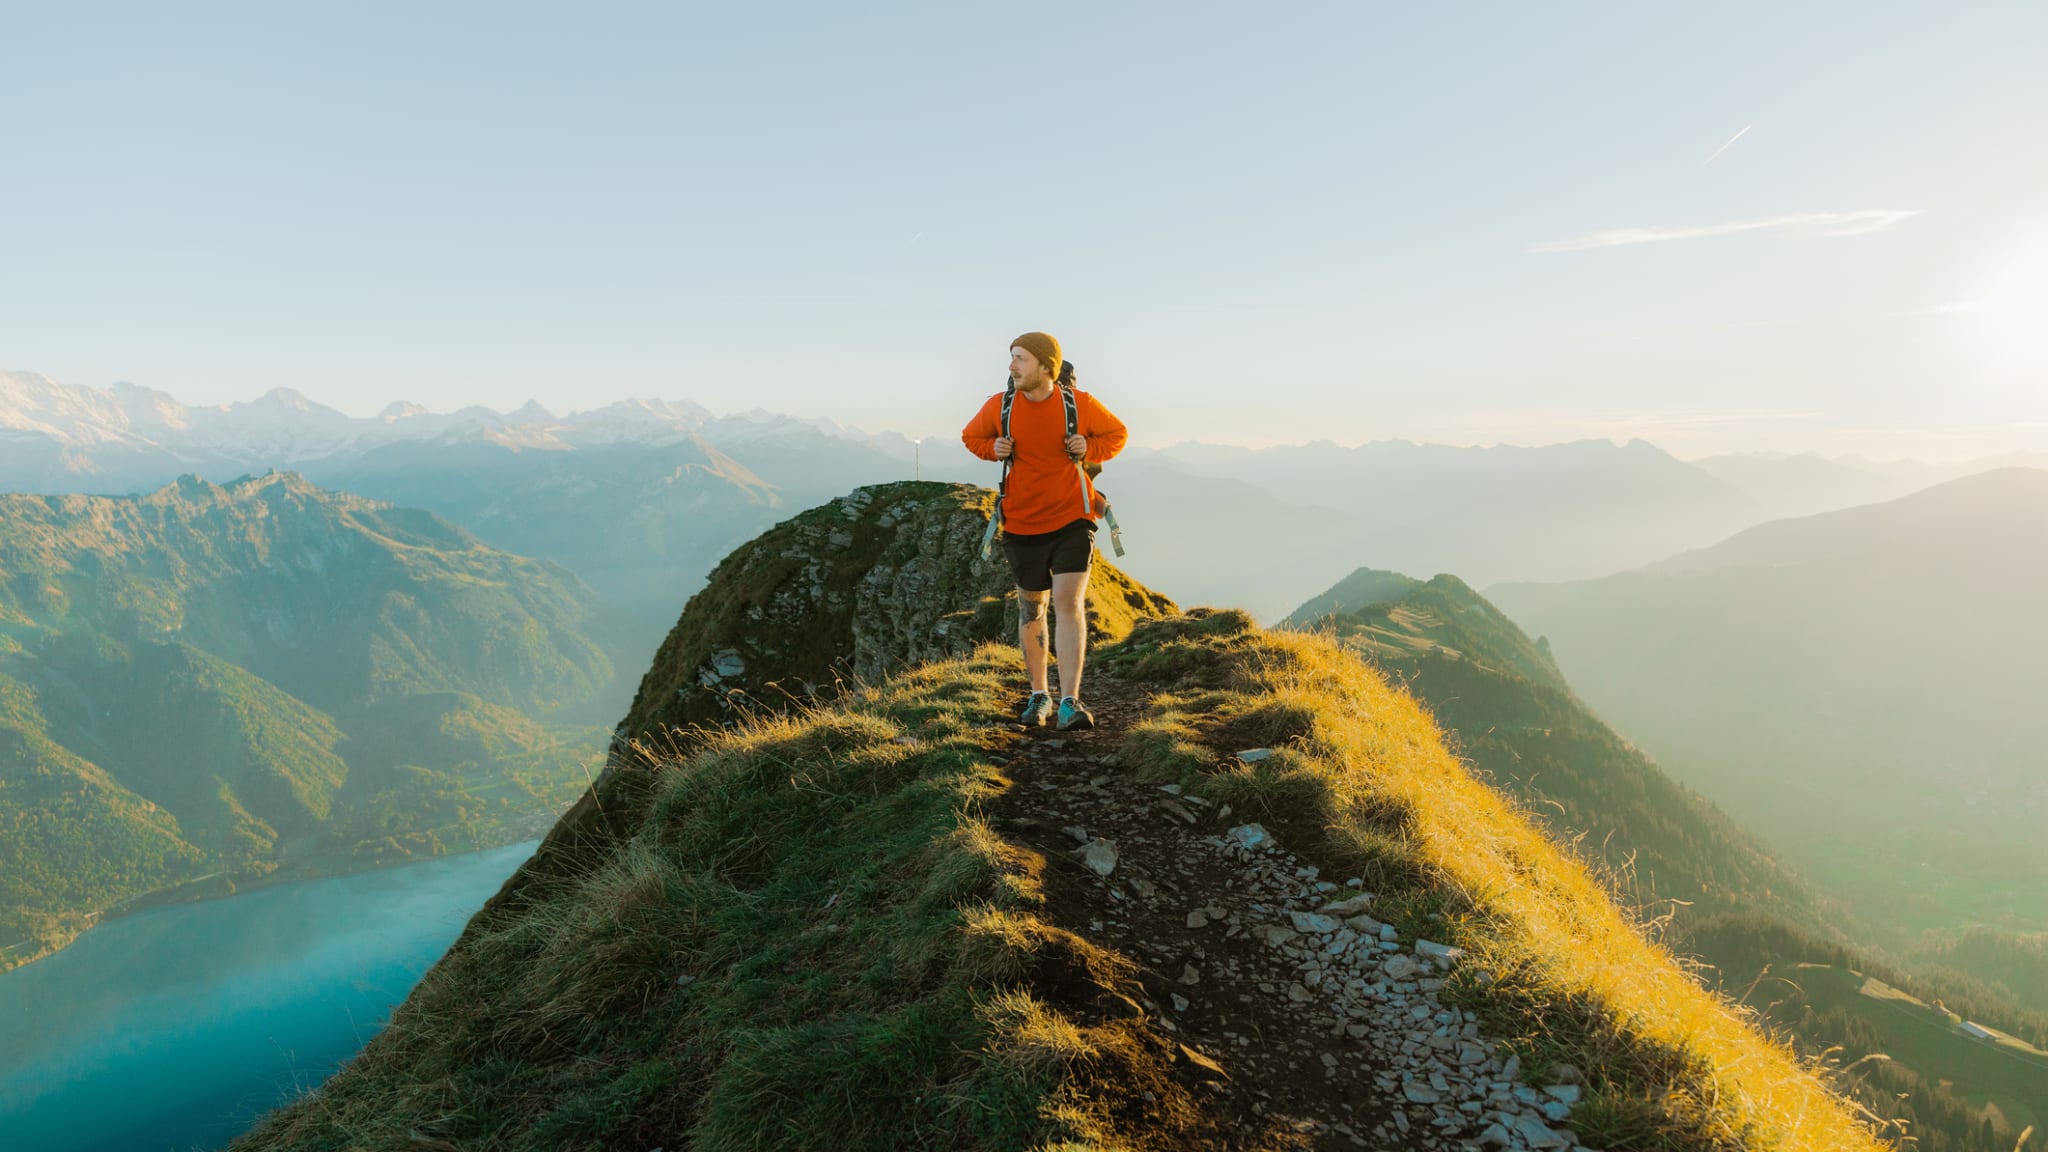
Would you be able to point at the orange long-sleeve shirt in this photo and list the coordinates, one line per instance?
(1046, 491)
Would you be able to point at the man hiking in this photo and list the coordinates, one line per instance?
(1048, 508)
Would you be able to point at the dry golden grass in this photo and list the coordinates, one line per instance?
(1553, 962)
(807, 934)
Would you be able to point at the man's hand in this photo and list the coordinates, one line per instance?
(1004, 446)
(1077, 445)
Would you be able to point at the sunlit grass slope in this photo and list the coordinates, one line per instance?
(802, 934)
(1361, 778)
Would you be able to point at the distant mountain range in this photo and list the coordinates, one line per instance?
(1557, 512)
(127, 438)
(1862, 687)
(641, 498)
(214, 683)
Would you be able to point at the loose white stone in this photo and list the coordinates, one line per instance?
(1100, 856)
(1250, 836)
(1313, 922)
(1350, 907)
(1538, 1134)
(1419, 1094)
(1444, 953)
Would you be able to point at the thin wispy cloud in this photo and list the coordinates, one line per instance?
(1724, 147)
(1551, 425)
(1818, 223)
(1953, 308)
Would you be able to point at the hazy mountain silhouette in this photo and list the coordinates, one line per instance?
(1731, 902)
(1863, 687)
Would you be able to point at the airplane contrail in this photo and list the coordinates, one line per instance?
(1724, 147)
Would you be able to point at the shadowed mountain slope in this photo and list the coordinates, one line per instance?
(1730, 902)
(1507, 708)
(1878, 665)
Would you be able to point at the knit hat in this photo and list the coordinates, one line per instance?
(1042, 346)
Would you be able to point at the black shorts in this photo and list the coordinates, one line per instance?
(1036, 558)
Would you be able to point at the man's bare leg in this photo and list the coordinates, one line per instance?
(1070, 599)
(1031, 634)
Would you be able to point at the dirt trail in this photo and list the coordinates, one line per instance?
(1203, 983)
(1328, 1031)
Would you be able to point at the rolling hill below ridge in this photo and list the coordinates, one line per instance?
(1861, 687)
(1729, 901)
(219, 682)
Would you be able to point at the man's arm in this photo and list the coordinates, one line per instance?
(981, 432)
(1106, 434)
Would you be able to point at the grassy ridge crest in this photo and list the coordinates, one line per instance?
(802, 931)
(1559, 971)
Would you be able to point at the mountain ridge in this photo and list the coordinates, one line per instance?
(1853, 609)
(142, 436)
(890, 918)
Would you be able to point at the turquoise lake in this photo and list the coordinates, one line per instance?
(174, 1028)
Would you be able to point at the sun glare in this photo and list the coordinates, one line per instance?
(2016, 310)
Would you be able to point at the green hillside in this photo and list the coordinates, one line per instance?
(2011, 963)
(1929, 1045)
(641, 524)
(270, 572)
(1508, 710)
(211, 685)
(72, 839)
(1862, 688)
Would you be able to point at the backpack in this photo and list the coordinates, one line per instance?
(1087, 469)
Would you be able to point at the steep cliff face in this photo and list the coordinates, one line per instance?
(876, 581)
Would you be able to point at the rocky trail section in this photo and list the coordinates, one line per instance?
(1305, 1021)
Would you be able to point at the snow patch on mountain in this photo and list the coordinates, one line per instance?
(127, 428)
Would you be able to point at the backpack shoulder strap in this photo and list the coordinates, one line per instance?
(995, 519)
(1073, 416)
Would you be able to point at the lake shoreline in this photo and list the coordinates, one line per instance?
(178, 1029)
(222, 885)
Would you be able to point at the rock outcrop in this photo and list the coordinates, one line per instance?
(884, 578)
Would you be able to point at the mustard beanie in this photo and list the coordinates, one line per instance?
(1042, 346)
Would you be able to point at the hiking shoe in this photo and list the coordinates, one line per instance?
(1037, 709)
(1072, 715)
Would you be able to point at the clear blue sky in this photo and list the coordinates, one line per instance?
(1247, 223)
